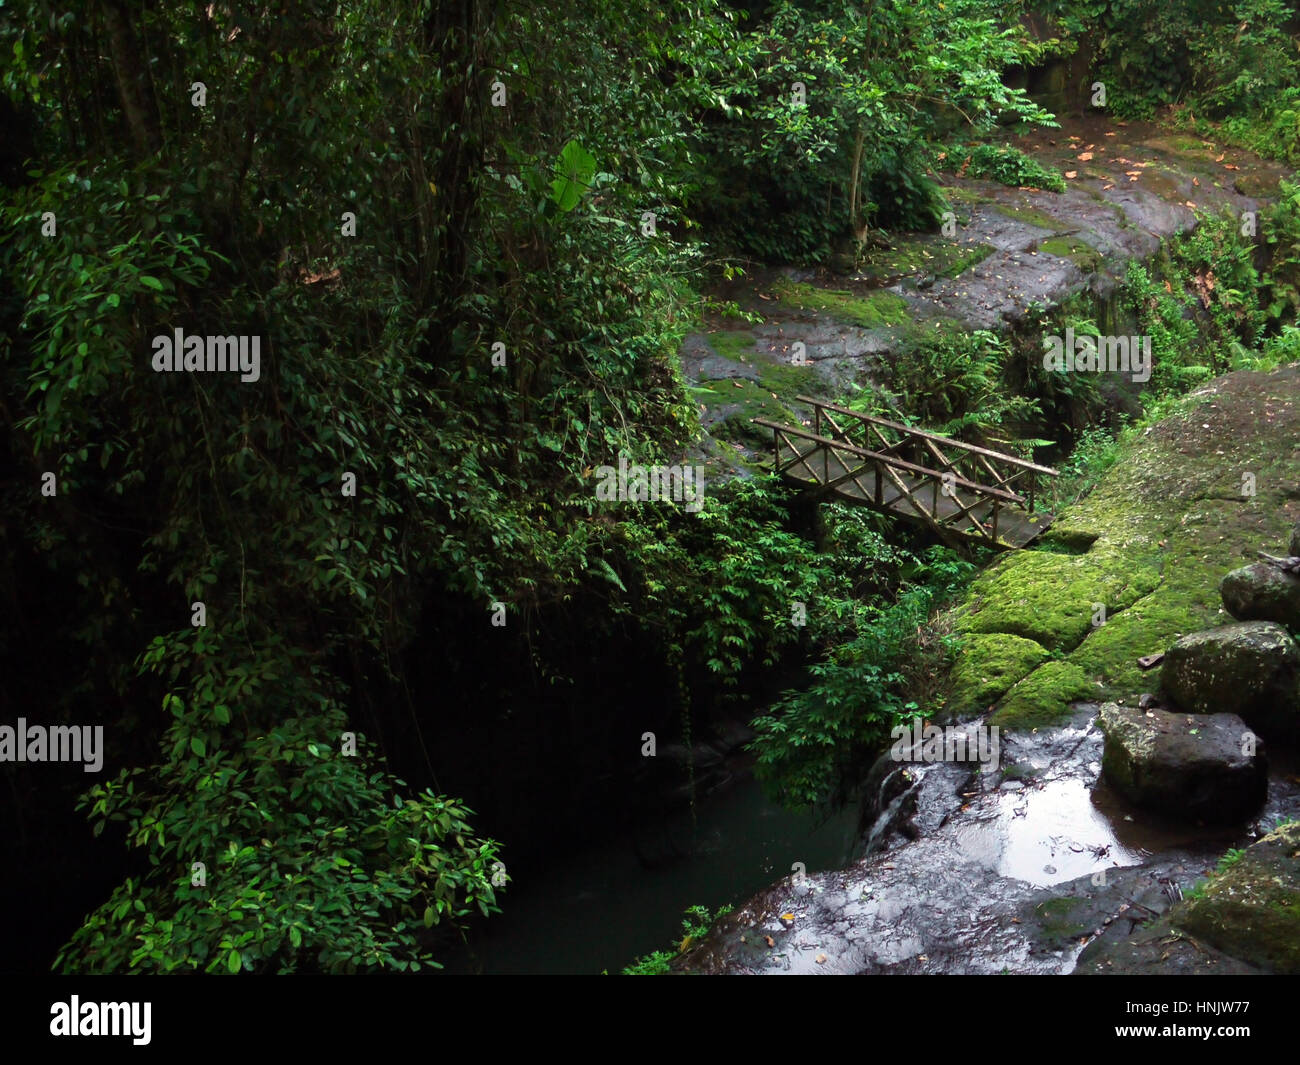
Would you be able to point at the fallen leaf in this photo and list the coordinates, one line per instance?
(770, 941)
(1219, 158)
(821, 959)
(1197, 182)
(1188, 203)
(1229, 166)
(1105, 187)
(1072, 174)
(1084, 157)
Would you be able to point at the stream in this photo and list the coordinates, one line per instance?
(598, 908)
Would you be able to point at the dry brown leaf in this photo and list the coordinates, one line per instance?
(1105, 187)
(1072, 174)
(821, 959)
(1084, 157)
(1229, 166)
(770, 941)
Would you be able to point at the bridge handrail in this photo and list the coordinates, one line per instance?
(889, 460)
(946, 440)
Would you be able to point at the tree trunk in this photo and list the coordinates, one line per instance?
(132, 80)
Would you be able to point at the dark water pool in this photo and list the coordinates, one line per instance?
(599, 908)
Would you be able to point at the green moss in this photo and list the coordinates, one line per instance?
(734, 344)
(1158, 532)
(967, 256)
(965, 194)
(943, 258)
(1043, 697)
(1257, 186)
(868, 309)
(986, 667)
(751, 400)
(786, 379)
(1029, 216)
(1052, 598)
(1251, 910)
(1164, 187)
(1082, 254)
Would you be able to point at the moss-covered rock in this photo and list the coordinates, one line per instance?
(867, 309)
(1262, 592)
(1043, 697)
(1079, 252)
(1249, 668)
(1252, 910)
(988, 665)
(1156, 535)
(1051, 598)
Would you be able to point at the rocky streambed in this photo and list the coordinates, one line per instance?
(1015, 872)
(1042, 866)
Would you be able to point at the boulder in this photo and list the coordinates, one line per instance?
(1250, 668)
(1251, 909)
(1204, 767)
(1262, 592)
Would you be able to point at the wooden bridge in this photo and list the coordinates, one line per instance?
(957, 490)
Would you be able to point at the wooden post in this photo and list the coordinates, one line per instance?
(880, 485)
(996, 507)
(1031, 491)
(826, 455)
(934, 499)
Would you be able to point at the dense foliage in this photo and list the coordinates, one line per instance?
(469, 238)
(1231, 64)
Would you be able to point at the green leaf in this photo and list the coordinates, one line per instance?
(198, 746)
(574, 169)
(151, 282)
(233, 962)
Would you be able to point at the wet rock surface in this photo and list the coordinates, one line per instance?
(1208, 767)
(1246, 920)
(971, 872)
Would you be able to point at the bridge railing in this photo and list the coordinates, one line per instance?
(940, 454)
